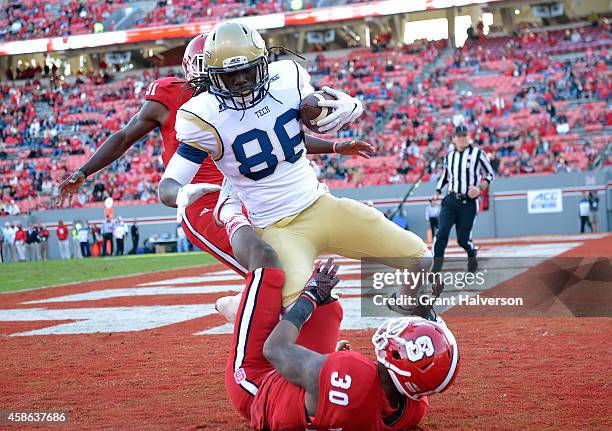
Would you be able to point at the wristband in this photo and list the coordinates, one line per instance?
(82, 172)
(233, 223)
(334, 147)
(300, 312)
(312, 297)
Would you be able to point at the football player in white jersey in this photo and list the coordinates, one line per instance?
(249, 123)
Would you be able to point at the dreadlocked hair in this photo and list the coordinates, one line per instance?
(196, 85)
(199, 85)
(285, 50)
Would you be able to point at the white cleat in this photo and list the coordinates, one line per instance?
(227, 306)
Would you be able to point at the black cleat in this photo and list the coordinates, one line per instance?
(473, 262)
(437, 265)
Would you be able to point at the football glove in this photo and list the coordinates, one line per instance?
(346, 109)
(320, 285)
(190, 193)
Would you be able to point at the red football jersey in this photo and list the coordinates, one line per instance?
(351, 398)
(172, 92)
(62, 233)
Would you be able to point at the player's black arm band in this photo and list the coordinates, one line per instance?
(300, 312)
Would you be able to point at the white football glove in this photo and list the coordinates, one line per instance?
(190, 193)
(346, 109)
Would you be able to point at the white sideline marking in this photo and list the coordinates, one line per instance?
(538, 238)
(212, 277)
(106, 319)
(141, 291)
(226, 328)
(164, 290)
(138, 318)
(531, 250)
(518, 251)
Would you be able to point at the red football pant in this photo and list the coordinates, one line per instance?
(202, 231)
(258, 313)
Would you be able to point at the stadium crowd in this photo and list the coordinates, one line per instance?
(560, 104)
(32, 19)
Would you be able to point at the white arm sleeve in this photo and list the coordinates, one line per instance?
(181, 170)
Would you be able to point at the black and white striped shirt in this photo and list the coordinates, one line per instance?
(462, 169)
(432, 212)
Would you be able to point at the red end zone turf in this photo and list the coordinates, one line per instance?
(516, 373)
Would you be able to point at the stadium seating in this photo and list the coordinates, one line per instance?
(531, 114)
(184, 11)
(31, 19)
(494, 91)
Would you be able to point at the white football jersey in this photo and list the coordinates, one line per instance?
(260, 150)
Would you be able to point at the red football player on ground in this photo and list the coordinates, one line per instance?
(280, 385)
(163, 98)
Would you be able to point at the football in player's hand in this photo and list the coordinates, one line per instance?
(311, 112)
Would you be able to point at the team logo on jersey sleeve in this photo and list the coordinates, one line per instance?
(239, 375)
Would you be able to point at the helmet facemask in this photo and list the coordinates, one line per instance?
(389, 332)
(246, 96)
(195, 67)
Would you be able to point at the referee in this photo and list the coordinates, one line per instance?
(462, 173)
(432, 215)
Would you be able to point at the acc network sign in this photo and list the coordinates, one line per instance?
(544, 201)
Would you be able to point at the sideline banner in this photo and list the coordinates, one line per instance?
(544, 201)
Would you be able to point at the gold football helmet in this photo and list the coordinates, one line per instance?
(237, 64)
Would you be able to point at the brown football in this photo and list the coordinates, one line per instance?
(311, 112)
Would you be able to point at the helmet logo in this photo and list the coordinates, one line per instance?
(422, 346)
(257, 40)
(239, 60)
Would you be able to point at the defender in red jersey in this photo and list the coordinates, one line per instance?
(197, 220)
(278, 384)
(163, 97)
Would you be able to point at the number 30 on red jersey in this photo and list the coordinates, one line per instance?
(337, 396)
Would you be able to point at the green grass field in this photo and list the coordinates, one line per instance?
(29, 275)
